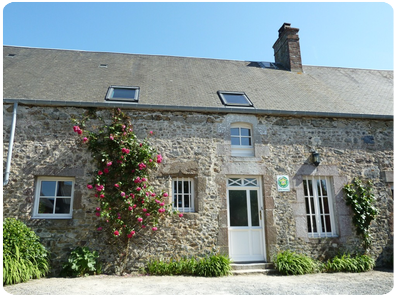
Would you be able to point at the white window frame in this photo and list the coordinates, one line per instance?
(317, 197)
(242, 150)
(36, 214)
(393, 188)
(176, 192)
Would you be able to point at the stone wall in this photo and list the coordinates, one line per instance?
(197, 145)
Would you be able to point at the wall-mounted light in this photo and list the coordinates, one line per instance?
(316, 158)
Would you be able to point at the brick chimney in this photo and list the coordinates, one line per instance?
(287, 48)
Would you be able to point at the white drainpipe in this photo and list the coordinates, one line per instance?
(10, 145)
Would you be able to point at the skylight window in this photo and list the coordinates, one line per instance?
(118, 93)
(234, 99)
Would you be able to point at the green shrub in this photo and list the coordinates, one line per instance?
(214, 265)
(288, 262)
(346, 263)
(24, 257)
(82, 262)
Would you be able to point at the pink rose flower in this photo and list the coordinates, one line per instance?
(99, 229)
(154, 228)
(106, 170)
(147, 214)
(122, 194)
(116, 233)
(159, 158)
(140, 219)
(101, 196)
(151, 132)
(162, 203)
(144, 209)
(100, 172)
(116, 185)
(85, 139)
(97, 214)
(79, 132)
(76, 128)
(130, 208)
(98, 209)
(138, 189)
(143, 226)
(89, 186)
(109, 163)
(180, 215)
(165, 194)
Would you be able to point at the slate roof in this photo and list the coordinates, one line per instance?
(76, 77)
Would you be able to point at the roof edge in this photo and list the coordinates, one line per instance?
(43, 102)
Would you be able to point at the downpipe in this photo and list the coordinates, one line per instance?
(10, 146)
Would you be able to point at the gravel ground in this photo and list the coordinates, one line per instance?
(368, 283)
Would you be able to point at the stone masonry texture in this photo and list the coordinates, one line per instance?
(197, 145)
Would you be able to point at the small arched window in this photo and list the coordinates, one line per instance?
(242, 140)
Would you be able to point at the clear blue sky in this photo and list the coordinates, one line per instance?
(354, 34)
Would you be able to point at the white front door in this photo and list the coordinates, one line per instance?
(245, 220)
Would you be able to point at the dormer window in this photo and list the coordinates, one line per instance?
(234, 99)
(119, 93)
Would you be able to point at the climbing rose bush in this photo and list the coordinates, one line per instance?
(127, 203)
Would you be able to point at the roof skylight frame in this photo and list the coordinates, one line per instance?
(122, 96)
(242, 97)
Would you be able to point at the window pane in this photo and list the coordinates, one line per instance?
(46, 205)
(246, 141)
(324, 187)
(238, 208)
(62, 205)
(254, 209)
(186, 187)
(64, 188)
(48, 188)
(305, 188)
(235, 99)
(235, 141)
(235, 131)
(245, 132)
(186, 200)
(123, 93)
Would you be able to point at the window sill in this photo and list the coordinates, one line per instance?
(52, 218)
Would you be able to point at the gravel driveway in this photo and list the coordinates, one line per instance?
(368, 283)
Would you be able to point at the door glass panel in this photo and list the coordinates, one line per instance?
(254, 208)
(238, 208)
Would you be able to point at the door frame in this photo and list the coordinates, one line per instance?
(259, 189)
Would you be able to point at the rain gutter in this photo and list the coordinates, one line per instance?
(225, 109)
(10, 145)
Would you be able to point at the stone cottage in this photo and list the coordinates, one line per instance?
(255, 153)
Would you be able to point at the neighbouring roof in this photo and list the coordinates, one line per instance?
(81, 76)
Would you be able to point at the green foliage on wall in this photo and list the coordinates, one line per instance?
(360, 197)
